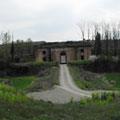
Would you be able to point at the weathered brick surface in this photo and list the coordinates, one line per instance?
(72, 53)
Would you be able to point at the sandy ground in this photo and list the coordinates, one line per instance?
(67, 91)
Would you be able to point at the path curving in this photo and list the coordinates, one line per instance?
(63, 93)
(67, 83)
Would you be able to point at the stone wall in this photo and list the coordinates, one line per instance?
(72, 54)
(83, 51)
(40, 55)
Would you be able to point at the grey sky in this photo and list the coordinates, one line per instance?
(53, 20)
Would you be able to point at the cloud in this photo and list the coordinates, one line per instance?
(97, 10)
(53, 19)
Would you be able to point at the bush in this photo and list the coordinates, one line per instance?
(100, 65)
(95, 96)
(47, 64)
(103, 97)
(100, 99)
(23, 69)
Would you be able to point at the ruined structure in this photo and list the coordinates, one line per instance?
(62, 52)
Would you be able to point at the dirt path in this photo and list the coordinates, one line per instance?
(64, 93)
(67, 83)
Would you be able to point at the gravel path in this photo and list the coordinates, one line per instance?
(66, 92)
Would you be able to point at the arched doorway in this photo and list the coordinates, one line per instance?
(63, 57)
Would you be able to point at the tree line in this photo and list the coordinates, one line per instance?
(105, 36)
(15, 51)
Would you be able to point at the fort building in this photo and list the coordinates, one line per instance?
(62, 52)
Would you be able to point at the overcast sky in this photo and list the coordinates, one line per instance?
(53, 20)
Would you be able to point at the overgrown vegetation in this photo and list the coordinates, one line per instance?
(23, 69)
(10, 95)
(105, 107)
(32, 76)
(100, 65)
(80, 62)
(19, 83)
(100, 98)
(46, 80)
(104, 65)
(93, 81)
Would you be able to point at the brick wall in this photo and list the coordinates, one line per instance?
(71, 53)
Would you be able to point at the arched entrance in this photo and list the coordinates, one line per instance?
(63, 57)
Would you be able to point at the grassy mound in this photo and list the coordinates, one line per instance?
(32, 76)
(94, 81)
(45, 81)
(10, 95)
(20, 83)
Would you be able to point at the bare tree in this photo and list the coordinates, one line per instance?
(95, 29)
(82, 27)
(29, 45)
(6, 39)
(107, 37)
(115, 38)
(88, 30)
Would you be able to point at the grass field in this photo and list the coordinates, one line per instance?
(39, 110)
(108, 81)
(11, 95)
(14, 105)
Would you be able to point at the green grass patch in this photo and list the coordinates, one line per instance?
(39, 110)
(106, 81)
(100, 98)
(76, 77)
(81, 62)
(44, 64)
(21, 83)
(114, 79)
(45, 79)
(10, 94)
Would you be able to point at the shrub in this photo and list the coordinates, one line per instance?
(95, 96)
(23, 69)
(100, 65)
(99, 99)
(47, 64)
(104, 97)
(85, 101)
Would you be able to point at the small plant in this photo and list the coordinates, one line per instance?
(99, 99)
(103, 97)
(85, 101)
(95, 96)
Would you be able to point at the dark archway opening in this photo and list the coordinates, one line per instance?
(63, 57)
